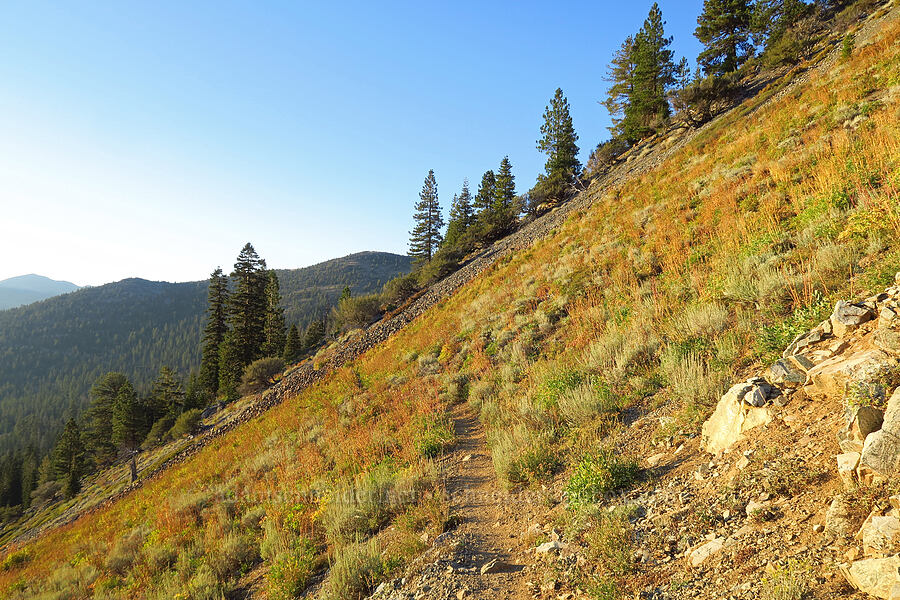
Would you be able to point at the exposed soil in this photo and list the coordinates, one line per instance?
(486, 554)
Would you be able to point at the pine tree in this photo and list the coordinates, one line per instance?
(654, 73)
(246, 319)
(462, 216)
(214, 334)
(99, 417)
(425, 238)
(293, 347)
(504, 209)
(724, 29)
(314, 334)
(558, 143)
(274, 328)
(167, 395)
(775, 25)
(68, 459)
(620, 75)
(195, 394)
(484, 199)
(128, 420)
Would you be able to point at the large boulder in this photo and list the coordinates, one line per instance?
(887, 340)
(790, 371)
(733, 417)
(874, 576)
(880, 535)
(832, 378)
(881, 450)
(847, 317)
(859, 422)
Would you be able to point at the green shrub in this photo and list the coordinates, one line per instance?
(786, 582)
(358, 312)
(204, 585)
(691, 379)
(260, 373)
(236, 551)
(291, 570)
(366, 504)
(521, 456)
(433, 434)
(126, 551)
(186, 424)
(610, 541)
(847, 45)
(355, 569)
(597, 475)
(158, 432)
(16, 559)
(585, 402)
(396, 291)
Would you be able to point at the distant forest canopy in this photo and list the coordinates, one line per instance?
(51, 352)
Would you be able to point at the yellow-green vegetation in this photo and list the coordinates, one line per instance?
(665, 289)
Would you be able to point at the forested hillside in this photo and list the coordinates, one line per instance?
(52, 351)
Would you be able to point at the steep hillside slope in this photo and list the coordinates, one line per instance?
(26, 289)
(53, 351)
(590, 359)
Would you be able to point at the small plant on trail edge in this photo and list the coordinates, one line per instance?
(787, 582)
(434, 434)
(597, 475)
(847, 45)
(291, 571)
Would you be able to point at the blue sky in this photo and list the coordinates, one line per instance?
(154, 139)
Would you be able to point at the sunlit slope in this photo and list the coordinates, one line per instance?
(655, 297)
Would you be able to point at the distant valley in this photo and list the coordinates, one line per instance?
(51, 352)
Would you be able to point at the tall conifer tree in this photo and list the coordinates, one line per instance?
(724, 29)
(246, 319)
(654, 73)
(557, 141)
(214, 334)
(461, 216)
(99, 418)
(425, 238)
(68, 459)
(505, 209)
(620, 76)
(274, 329)
(293, 347)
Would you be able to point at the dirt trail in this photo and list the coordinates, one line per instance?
(486, 554)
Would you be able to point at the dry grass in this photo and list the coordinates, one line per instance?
(760, 217)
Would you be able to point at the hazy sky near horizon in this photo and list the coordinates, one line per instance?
(154, 139)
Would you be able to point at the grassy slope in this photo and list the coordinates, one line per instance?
(653, 298)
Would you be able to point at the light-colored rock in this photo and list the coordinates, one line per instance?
(886, 318)
(654, 460)
(551, 546)
(831, 378)
(754, 507)
(847, 317)
(859, 422)
(846, 464)
(790, 371)
(874, 576)
(837, 518)
(881, 452)
(494, 566)
(705, 550)
(880, 535)
(804, 340)
(731, 420)
(887, 340)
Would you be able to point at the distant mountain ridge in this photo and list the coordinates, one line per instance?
(51, 352)
(25, 289)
